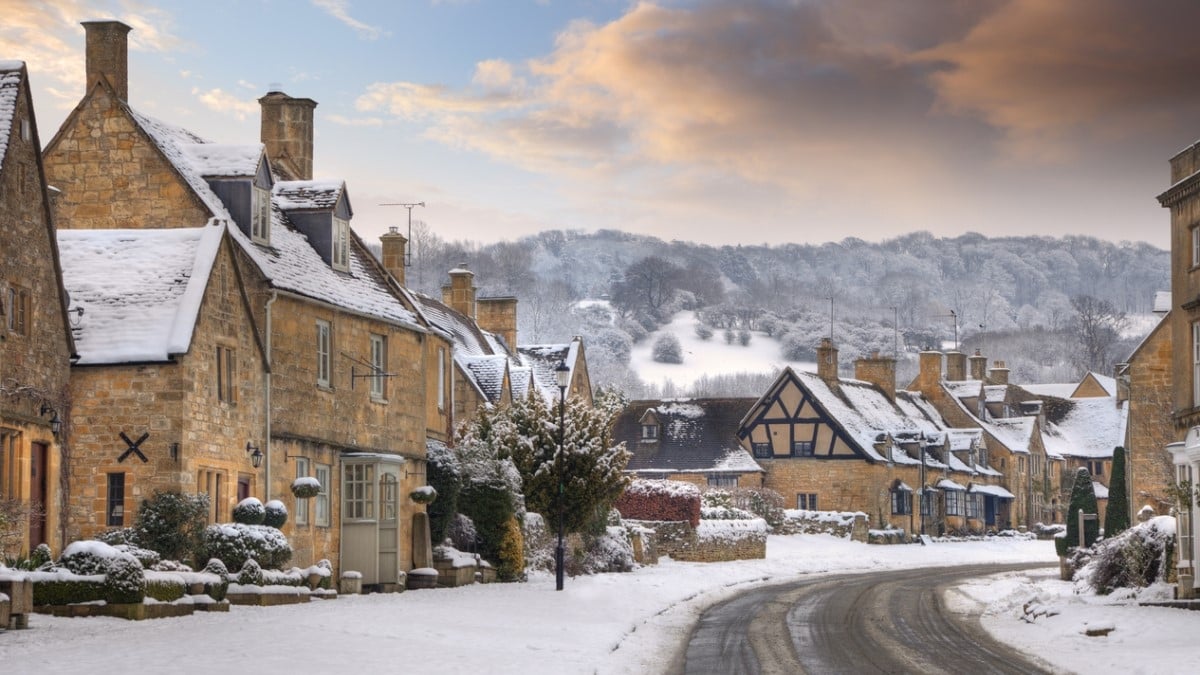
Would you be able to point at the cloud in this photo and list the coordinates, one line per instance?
(226, 103)
(340, 10)
(355, 122)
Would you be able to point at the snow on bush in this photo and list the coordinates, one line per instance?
(235, 543)
(89, 557)
(249, 511)
(251, 574)
(660, 500)
(424, 494)
(1138, 557)
(275, 514)
(667, 349)
(305, 487)
(608, 552)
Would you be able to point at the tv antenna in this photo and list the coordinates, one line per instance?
(407, 249)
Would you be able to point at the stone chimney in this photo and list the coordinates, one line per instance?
(956, 366)
(929, 377)
(879, 371)
(107, 54)
(978, 365)
(499, 315)
(999, 373)
(287, 131)
(460, 294)
(827, 361)
(394, 247)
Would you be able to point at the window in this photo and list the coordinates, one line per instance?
(802, 449)
(301, 507)
(649, 432)
(321, 505)
(115, 508)
(17, 307)
(341, 245)
(226, 373)
(1187, 533)
(441, 385)
(974, 504)
(389, 492)
(209, 482)
(762, 450)
(806, 501)
(1195, 245)
(260, 215)
(723, 480)
(378, 366)
(323, 353)
(358, 490)
(927, 497)
(26, 130)
(1096, 468)
(954, 502)
(1196, 363)
(901, 501)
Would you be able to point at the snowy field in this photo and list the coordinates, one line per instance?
(611, 623)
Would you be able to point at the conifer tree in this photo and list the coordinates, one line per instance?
(1116, 515)
(1083, 498)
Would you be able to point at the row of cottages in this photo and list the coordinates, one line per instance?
(982, 453)
(828, 443)
(222, 330)
(36, 347)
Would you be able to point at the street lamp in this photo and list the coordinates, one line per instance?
(256, 455)
(562, 376)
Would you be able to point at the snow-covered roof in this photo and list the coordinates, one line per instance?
(487, 373)
(305, 195)
(544, 359)
(947, 484)
(1014, 432)
(1058, 390)
(1162, 301)
(963, 388)
(174, 142)
(697, 435)
(994, 490)
(140, 290)
(10, 87)
(1092, 428)
(995, 393)
(219, 160)
(468, 338)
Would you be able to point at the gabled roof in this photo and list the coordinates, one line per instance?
(1108, 384)
(1092, 428)
(1016, 433)
(698, 435)
(308, 195)
(174, 142)
(487, 373)
(140, 290)
(216, 160)
(544, 359)
(468, 338)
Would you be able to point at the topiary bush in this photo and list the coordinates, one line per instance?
(235, 543)
(251, 574)
(90, 557)
(124, 535)
(1116, 514)
(144, 556)
(171, 524)
(275, 514)
(250, 511)
(125, 582)
(306, 487)
(216, 590)
(165, 588)
(67, 591)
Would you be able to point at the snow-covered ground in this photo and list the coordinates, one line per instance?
(707, 357)
(610, 623)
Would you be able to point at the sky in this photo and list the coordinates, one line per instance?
(608, 623)
(721, 122)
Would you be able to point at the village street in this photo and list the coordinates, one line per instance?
(608, 623)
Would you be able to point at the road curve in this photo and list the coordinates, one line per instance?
(875, 622)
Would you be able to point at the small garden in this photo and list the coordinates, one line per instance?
(171, 563)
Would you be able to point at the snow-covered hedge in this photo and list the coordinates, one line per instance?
(1138, 557)
(665, 500)
(235, 543)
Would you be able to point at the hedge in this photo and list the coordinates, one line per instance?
(660, 500)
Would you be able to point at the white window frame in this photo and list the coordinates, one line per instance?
(358, 492)
(649, 432)
(441, 383)
(260, 215)
(1195, 231)
(301, 506)
(321, 506)
(378, 366)
(324, 353)
(1196, 363)
(341, 244)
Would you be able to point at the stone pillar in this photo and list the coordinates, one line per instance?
(460, 294)
(499, 315)
(422, 550)
(879, 371)
(827, 361)
(287, 131)
(107, 54)
(395, 246)
(956, 366)
(978, 366)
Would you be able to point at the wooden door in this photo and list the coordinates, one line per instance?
(38, 487)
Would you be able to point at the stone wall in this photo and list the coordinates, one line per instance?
(1150, 427)
(710, 541)
(845, 524)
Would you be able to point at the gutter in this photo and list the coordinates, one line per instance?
(267, 393)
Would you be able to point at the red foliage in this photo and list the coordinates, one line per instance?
(660, 500)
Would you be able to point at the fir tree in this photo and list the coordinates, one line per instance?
(1116, 515)
(1083, 498)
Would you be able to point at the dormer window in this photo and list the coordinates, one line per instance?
(260, 215)
(341, 245)
(649, 432)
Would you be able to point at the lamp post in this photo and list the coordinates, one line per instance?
(562, 375)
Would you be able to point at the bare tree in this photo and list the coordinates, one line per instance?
(1097, 326)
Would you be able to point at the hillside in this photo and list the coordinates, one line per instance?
(904, 294)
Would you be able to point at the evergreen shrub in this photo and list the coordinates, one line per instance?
(125, 581)
(510, 560)
(171, 524)
(1116, 514)
(235, 543)
(251, 574)
(275, 514)
(250, 511)
(442, 473)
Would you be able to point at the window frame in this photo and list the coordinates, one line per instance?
(722, 480)
(114, 499)
(301, 505)
(379, 366)
(260, 215)
(804, 448)
(762, 450)
(1195, 235)
(1196, 363)
(901, 502)
(324, 353)
(649, 432)
(18, 309)
(441, 383)
(321, 505)
(954, 503)
(358, 492)
(340, 258)
(226, 375)
(806, 501)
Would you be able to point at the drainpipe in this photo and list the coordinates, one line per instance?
(267, 393)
